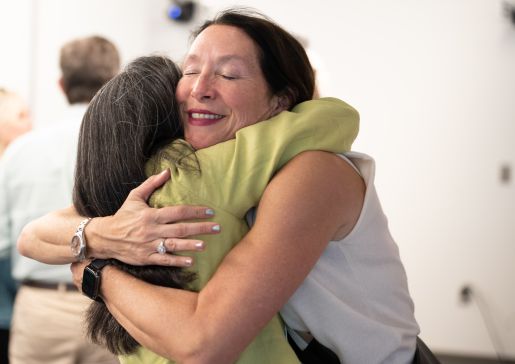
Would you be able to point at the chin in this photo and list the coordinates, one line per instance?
(200, 143)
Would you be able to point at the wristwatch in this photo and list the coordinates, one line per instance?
(92, 277)
(78, 242)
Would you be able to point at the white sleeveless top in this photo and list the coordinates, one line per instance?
(355, 301)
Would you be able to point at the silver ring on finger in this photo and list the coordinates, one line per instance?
(161, 248)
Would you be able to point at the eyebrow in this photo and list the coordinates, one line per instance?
(222, 59)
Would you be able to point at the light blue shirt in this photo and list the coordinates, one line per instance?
(36, 177)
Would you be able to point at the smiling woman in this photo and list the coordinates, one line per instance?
(215, 180)
(223, 88)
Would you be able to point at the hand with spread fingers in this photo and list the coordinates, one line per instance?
(136, 231)
(132, 235)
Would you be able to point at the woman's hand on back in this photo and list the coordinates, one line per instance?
(134, 233)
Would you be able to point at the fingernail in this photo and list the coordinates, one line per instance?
(199, 245)
(188, 262)
(210, 212)
(215, 228)
(163, 171)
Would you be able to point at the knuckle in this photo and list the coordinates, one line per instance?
(132, 193)
(146, 215)
(180, 230)
(172, 261)
(142, 250)
(162, 259)
(181, 211)
(135, 192)
(199, 212)
(172, 246)
(144, 232)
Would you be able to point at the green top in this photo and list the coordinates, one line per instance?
(230, 177)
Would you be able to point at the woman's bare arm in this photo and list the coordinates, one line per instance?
(313, 198)
(131, 235)
(47, 239)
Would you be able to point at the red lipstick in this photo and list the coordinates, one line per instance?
(198, 117)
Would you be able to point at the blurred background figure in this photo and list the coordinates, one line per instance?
(14, 118)
(14, 121)
(36, 176)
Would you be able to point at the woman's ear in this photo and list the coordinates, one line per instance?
(280, 103)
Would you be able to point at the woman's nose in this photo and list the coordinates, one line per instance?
(203, 88)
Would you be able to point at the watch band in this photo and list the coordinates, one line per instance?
(99, 264)
(78, 243)
(92, 278)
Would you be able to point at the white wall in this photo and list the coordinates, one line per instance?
(434, 82)
(15, 43)
(33, 32)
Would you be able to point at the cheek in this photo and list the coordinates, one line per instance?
(181, 93)
(258, 110)
(246, 104)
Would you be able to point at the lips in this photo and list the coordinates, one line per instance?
(203, 117)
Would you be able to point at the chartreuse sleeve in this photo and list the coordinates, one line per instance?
(230, 177)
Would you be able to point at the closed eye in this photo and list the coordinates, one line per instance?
(228, 77)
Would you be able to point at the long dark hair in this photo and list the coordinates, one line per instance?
(129, 120)
(283, 60)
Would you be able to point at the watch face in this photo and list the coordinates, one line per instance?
(90, 283)
(75, 245)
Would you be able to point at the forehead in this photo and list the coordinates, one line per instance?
(224, 42)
